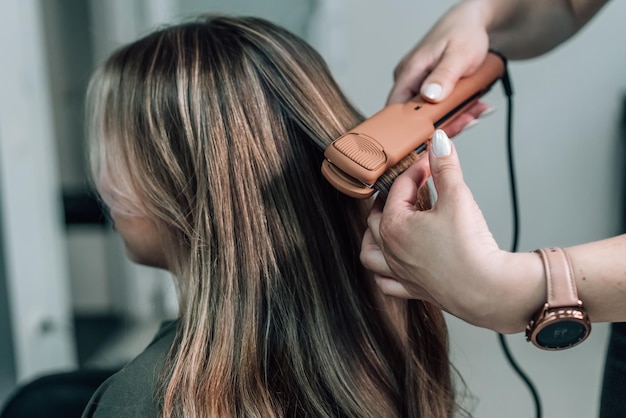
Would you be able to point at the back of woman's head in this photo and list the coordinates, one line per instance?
(215, 129)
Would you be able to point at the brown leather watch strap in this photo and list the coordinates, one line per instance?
(559, 277)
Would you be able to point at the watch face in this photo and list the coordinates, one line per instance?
(561, 334)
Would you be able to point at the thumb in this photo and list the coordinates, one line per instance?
(441, 81)
(444, 163)
(404, 192)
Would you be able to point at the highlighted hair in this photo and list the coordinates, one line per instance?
(217, 127)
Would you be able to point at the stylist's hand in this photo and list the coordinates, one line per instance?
(455, 47)
(447, 255)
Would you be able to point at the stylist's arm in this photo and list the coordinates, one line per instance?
(447, 255)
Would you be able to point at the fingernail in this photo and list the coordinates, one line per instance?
(441, 144)
(474, 122)
(487, 112)
(432, 91)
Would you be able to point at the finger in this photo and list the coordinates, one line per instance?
(377, 207)
(373, 220)
(467, 119)
(404, 190)
(440, 82)
(445, 166)
(393, 288)
(372, 257)
(410, 74)
(404, 90)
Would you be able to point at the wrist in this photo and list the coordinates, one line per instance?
(506, 24)
(493, 17)
(512, 289)
(563, 321)
(523, 292)
(492, 14)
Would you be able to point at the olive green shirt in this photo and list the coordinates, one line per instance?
(131, 392)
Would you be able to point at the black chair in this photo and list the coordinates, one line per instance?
(61, 395)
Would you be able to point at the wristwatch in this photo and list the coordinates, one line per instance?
(562, 322)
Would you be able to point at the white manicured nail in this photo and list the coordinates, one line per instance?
(441, 144)
(473, 122)
(487, 112)
(432, 91)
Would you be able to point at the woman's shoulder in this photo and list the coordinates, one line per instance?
(131, 392)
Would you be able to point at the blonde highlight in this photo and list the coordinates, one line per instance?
(219, 126)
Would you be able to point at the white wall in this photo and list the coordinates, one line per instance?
(31, 215)
(140, 293)
(568, 161)
(291, 14)
(566, 103)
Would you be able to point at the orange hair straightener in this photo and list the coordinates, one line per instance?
(356, 160)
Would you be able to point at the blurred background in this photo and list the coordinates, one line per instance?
(69, 299)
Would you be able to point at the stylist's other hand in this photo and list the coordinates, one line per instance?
(445, 255)
(454, 48)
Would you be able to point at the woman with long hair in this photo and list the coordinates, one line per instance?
(206, 144)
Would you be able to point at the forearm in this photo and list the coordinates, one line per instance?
(600, 271)
(528, 28)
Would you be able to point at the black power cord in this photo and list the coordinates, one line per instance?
(508, 90)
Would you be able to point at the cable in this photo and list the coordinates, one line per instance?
(508, 89)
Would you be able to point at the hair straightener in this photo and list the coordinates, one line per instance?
(356, 160)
